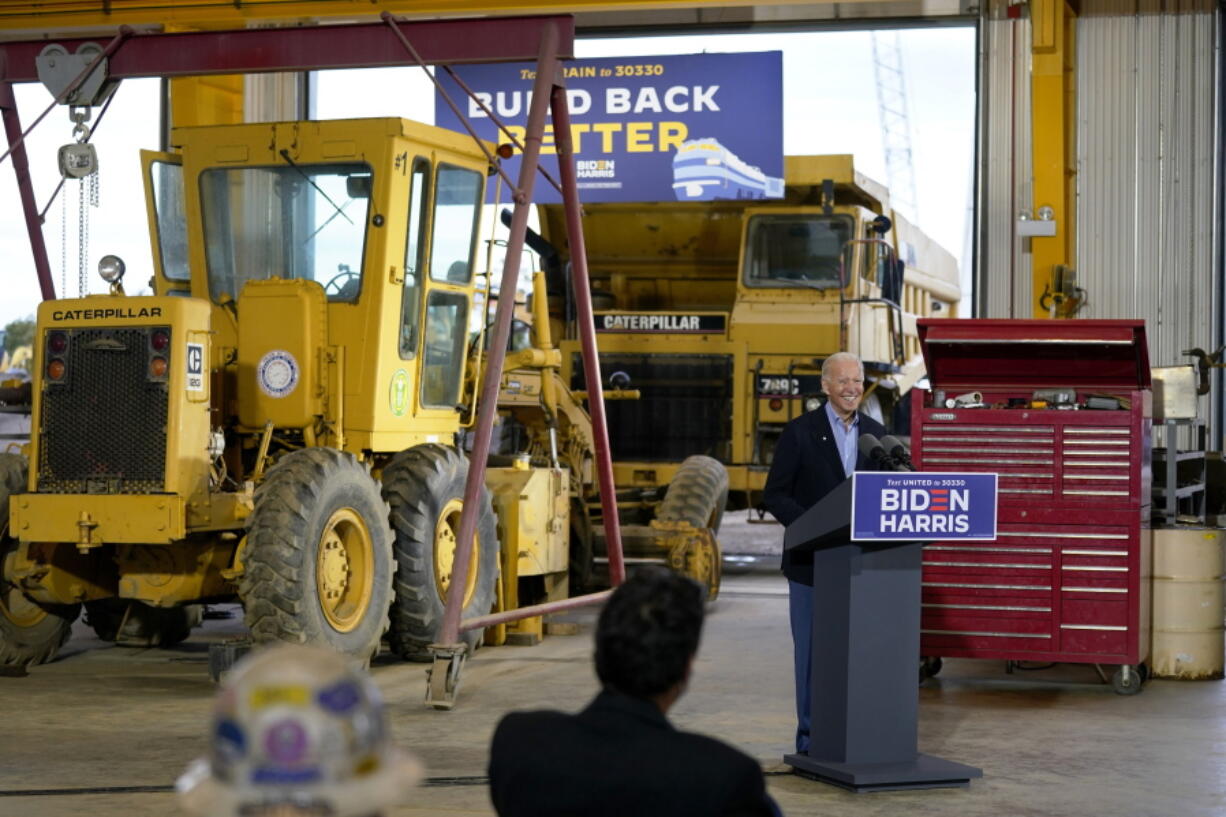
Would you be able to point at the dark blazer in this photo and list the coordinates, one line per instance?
(619, 757)
(806, 466)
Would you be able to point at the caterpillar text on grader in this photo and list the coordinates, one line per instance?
(285, 420)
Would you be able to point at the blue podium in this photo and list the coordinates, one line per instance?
(866, 641)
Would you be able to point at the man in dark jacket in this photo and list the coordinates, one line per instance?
(620, 757)
(815, 452)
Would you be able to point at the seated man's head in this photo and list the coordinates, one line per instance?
(648, 633)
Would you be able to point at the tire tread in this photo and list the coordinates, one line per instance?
(412, 483)
(278, 606)
(42, 642)
(697, 494)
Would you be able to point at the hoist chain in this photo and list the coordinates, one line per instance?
(82, 237)
(63, 246)
(89, 193)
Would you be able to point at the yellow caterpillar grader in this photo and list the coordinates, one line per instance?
(284, 421)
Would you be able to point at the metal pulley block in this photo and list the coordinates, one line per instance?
(58, 70)
(79, 159)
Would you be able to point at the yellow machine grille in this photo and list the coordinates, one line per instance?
(103, 421)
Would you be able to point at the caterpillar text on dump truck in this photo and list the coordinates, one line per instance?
(719, 315)
(283, 420)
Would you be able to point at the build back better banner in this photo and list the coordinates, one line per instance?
(695, 127)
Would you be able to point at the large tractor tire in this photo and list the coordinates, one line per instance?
(318, 559)
(697, 494)
(424, 486)
(136, 624)
(30, 633)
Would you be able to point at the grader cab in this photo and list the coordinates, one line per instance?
(283, 420)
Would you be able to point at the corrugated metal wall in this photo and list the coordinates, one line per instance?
(1002, 264)
(1148, 168)
(1147, 177)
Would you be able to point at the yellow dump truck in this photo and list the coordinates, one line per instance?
(719, 315)
(282, 422)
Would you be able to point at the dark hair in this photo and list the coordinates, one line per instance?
(648, 632)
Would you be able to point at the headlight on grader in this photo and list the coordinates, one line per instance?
(111, 268)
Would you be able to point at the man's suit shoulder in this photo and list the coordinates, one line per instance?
(519, 728)
(810, 421)
(817, 421)
(532, 720)
(608, 761)
(717, 752)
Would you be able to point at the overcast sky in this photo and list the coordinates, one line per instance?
(830, 107)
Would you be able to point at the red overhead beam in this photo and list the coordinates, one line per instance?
(308, 48)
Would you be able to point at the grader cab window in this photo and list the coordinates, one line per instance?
(410, 304)
(795, 250)
(457, 205)
(288, 221)
(167, 178)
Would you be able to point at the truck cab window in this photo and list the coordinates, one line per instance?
(287, 221)
(794, 250)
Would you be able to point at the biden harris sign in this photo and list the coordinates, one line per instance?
(910, 505)
(694, 127)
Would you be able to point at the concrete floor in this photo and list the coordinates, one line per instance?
(105, 730)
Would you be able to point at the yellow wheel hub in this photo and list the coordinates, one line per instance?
(702, 564)
(695, 553)
(345, 570)
(445, 538)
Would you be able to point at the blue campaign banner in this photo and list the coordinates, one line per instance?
(693, 127)
(923, 506)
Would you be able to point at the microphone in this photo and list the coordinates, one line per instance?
(871, 448)
(898, 452)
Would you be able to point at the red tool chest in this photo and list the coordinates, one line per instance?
(1067, 578)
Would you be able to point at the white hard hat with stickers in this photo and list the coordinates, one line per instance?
(297, 731)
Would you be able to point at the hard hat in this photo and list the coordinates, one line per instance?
(297, 730)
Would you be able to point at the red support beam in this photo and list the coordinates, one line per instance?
(585, 321)
(520, 613)
(309, 48)
(487, 403)
(25, 188)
